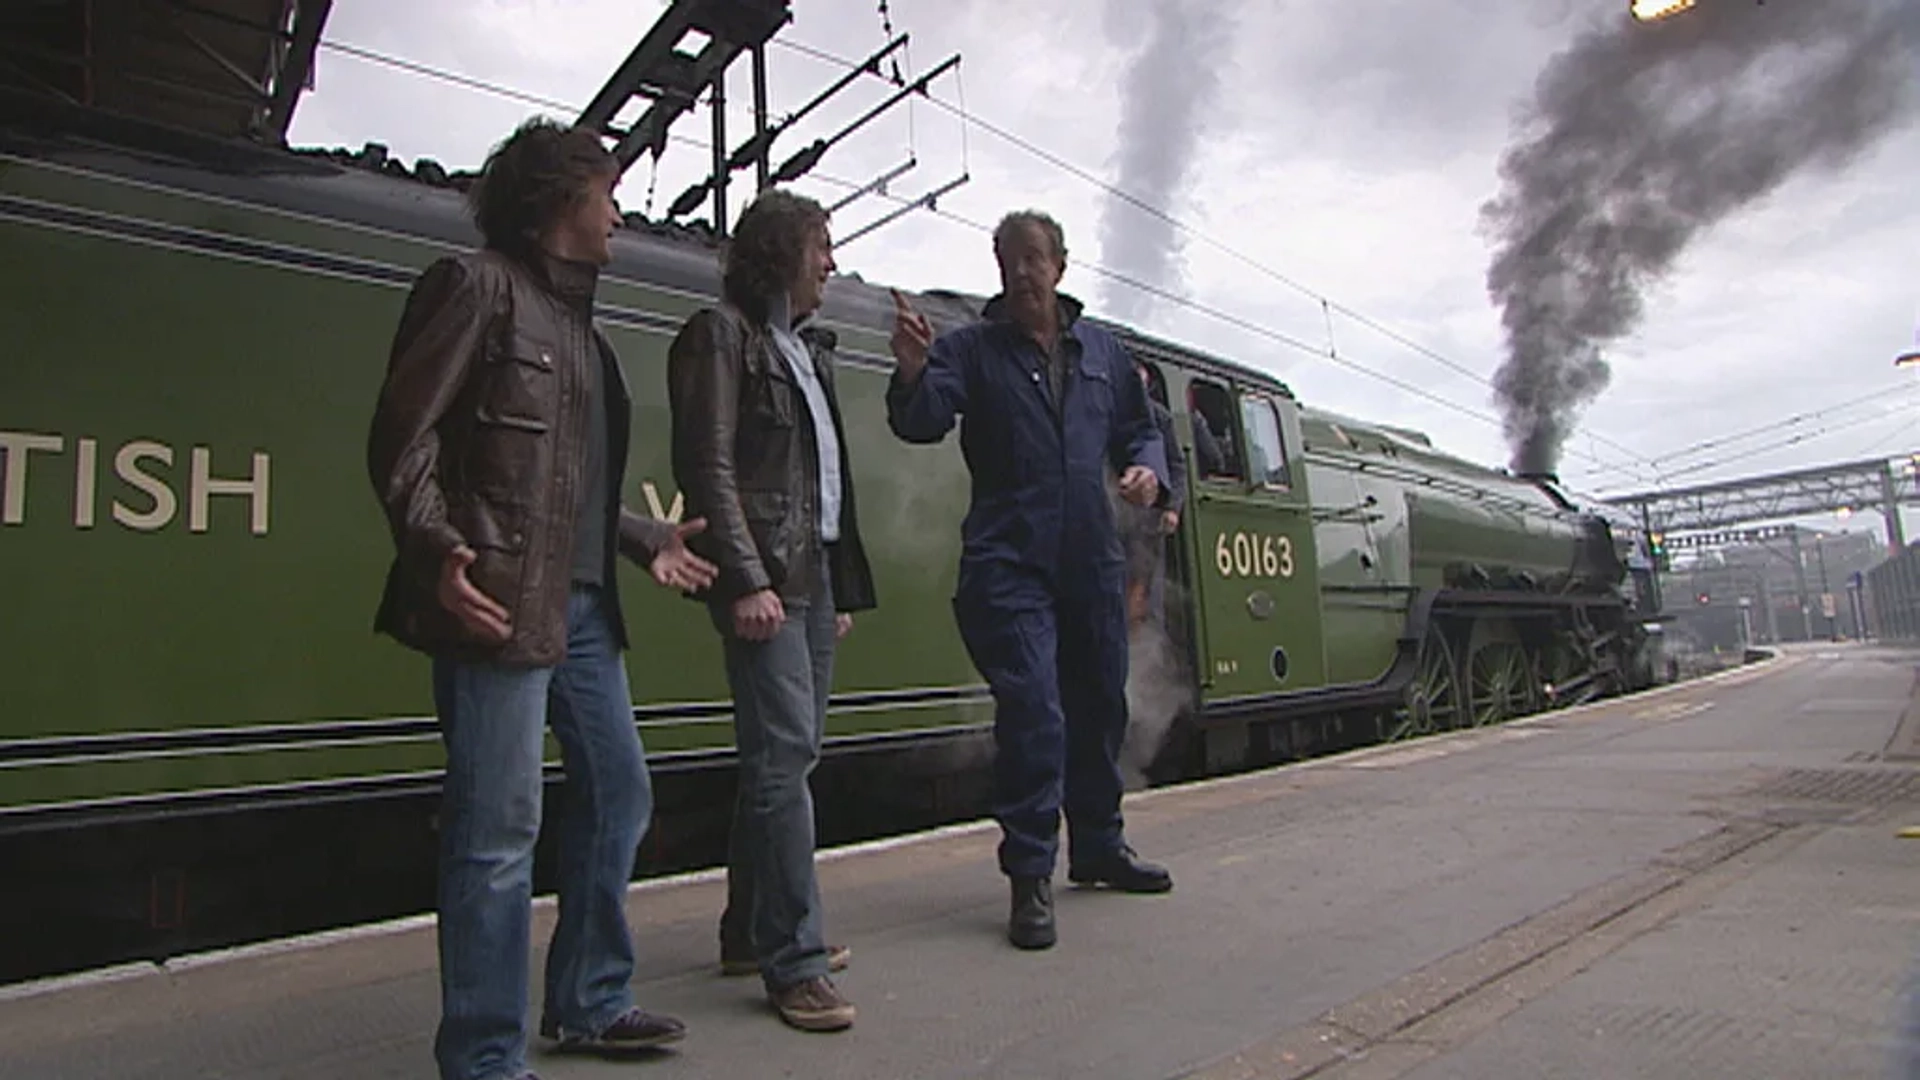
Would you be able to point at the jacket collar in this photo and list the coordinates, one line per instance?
(1070, 309)
(807, 328)
(567, 279)
(780, 313)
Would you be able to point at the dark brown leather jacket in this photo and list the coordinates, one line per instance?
(476, 439)
(745, 458)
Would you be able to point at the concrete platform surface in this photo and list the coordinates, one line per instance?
(1703, 881)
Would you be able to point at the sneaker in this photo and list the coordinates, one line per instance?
(813, 1005)
(635, 1029)
(742, 963)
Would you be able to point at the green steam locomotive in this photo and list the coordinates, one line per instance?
(194, 330)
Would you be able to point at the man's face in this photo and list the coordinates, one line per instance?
(1029, 269)
(589, 223)
(816, 265)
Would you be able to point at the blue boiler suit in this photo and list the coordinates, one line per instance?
(1040, 603)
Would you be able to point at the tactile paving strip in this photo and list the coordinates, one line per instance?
(1854, 787)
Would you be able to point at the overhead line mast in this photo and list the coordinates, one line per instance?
(671, 80)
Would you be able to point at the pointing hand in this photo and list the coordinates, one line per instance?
(912, 335)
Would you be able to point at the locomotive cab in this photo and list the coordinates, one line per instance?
(1249, 537)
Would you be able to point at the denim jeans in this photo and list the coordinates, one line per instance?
(1904, 1059)
(780, 691)
(492, 719)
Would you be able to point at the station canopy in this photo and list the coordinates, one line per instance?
(232, 68)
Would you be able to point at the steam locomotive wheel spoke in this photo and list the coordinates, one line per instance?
(1432, 702)
(1564, 675)
(1501, 683)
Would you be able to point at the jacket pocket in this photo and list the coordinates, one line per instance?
(506, 453)
(768, 400)
(520, 384)
(490, 520)
(1095, 389)
(496, 528)
(769, 525)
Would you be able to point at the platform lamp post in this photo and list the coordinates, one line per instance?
(1897, 533)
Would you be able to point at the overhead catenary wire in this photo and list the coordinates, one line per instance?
(1797, 418)
(1895, 435)
(970, 119)
(1902, 400)
(1237, 321)
(1240, 322)
(1822, 432)
(1639, 466)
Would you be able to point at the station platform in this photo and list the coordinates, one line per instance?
(1705, 880)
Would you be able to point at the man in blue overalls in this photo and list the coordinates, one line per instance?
(1050, 404)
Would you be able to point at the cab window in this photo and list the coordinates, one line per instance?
(1215, 446)
(1266, 451)
(1155, 382)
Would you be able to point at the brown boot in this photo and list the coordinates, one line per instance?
(813, 1005)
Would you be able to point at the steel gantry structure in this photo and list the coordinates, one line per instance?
(231, 68)
(1883, 484)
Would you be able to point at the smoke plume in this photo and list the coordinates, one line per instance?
(1643, 134)
(1172, 77)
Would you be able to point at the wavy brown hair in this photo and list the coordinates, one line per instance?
(764, 256)
(532, 177)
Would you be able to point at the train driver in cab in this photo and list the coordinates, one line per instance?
(1048, 404)
(1145, 528)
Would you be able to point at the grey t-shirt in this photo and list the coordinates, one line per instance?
(594, 499)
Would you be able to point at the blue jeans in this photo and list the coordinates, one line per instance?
(1904, 1063)
(780, 691)
(492, 719)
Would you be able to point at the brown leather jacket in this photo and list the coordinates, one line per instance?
(476, 440)
(745, 458)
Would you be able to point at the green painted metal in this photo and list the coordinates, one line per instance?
(190, 552)
(1255, 571)
(191, 542)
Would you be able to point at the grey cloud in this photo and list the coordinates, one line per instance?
(1407, 101)
(1385, 81)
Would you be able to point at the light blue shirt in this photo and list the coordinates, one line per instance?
(800, 364)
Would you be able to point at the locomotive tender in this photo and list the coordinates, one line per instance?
(190, 555)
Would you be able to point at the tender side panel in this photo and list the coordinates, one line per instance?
(191, 552)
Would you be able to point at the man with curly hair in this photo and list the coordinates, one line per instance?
(758, 450)
(497, 449)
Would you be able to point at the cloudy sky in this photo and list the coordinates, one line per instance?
(1336, 157)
